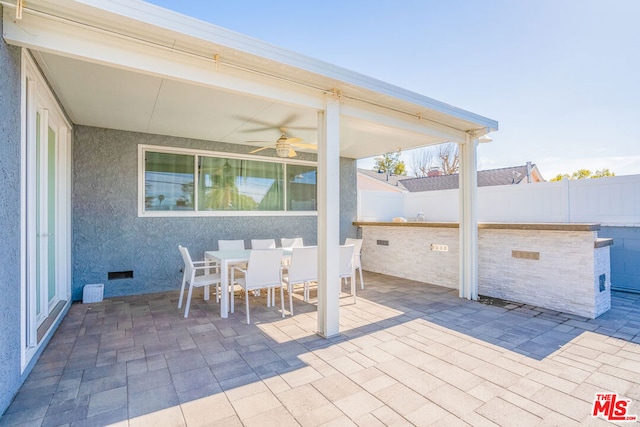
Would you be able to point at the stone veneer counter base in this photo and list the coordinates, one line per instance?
(563, 267)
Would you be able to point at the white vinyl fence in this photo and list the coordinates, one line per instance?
(613, 202)
(609, 201)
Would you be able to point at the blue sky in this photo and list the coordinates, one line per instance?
(562, 77)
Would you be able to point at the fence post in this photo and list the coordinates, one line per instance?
(566, 183)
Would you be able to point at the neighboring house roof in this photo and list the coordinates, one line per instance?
(486, 178)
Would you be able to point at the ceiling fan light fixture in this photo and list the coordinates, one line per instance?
(282, 150)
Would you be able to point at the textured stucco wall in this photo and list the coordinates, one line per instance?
(565, 278)
(348, 198)
(625, 253)
(9, 222)
(109, 236)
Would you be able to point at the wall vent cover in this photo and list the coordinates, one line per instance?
(117, 275)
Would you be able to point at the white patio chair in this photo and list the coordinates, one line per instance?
(196, 281)
(302, 270)
(264, 270)
(230, 245)
(263, 243)
(357, 254)
(290, 243)
(347, 270)
(294, 242)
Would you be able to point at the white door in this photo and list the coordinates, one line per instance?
(46, 163)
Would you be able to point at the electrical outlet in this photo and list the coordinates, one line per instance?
(439, 248)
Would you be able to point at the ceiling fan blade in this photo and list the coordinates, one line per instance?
(288, 120)
(302, 127)
(257, 129)
(259, 149)
(265, 126)
(292, 152)
(304, 145)
(259, 142)
(293, 140)
(288, 123)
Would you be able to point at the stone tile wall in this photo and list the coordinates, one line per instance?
(564, 278)
(409, 253)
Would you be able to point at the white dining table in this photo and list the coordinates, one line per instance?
(224, 260)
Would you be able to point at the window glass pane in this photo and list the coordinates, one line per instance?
(301, 188)
(168, 181)
(239, 185)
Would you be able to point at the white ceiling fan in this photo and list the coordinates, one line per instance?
(284, 145)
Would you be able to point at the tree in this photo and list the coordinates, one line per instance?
(449, 158)
(584, 174)
(601, 173)
(422, 160)
(581, 174)
(445, 157)
(391, 163)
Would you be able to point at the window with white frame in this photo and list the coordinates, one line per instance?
(178, 182)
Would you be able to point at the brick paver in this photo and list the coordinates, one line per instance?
(408, 354)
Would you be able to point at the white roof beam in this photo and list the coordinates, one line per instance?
(66, 38)
(400, 120)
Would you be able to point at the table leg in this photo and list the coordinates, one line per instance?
(224, 289)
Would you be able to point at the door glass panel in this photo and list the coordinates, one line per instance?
(38, 204)
(51, 214)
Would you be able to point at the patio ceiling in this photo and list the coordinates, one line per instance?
(144, 103)
(137, 67)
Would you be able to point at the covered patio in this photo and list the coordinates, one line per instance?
(97, 95)
(409, 353)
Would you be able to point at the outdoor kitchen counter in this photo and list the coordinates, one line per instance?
(486, 225)
(563, 267)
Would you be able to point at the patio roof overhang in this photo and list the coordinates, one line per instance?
(138, 67)
(133, 66)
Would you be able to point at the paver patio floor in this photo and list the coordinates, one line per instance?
(408, 353)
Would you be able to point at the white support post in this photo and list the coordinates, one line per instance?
(329, 218)
(469, 218)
